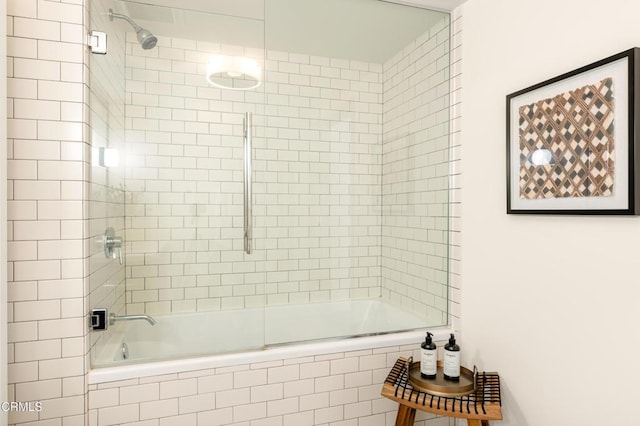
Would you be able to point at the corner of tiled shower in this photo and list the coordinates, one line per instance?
(54, 261)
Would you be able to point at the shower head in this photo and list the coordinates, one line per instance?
(146, 39)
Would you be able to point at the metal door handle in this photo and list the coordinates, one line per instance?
(248, 220)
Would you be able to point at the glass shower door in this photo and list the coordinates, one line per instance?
(183, 161)
(354, 175)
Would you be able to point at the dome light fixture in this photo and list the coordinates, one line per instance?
(234, 72)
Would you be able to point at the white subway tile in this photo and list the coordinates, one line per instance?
(21, 332)
(51, 210)
(219, 382)
(72, 347)
(22, 250)
(266, 392)
(61, 12)
(249, 412)
(157, 409)
(64, 367)
(22, 48)
(195, 403)
(178, 388)
(27, 8)
(218, 417)
(62, 407)
(36, 310)
(72, 33)
(36, 29)
(314, 401)
(59, 91)
(232, 398)
(37, 391)
(39, 350)
(328, 415)
(305, 418)
(22, 291)
(104, 398)
(36, 150)
(35, 69)
(316, 369)
(116, 415)
(62, 328)
(21, 129)
(22, 372)
(60, 130)
(36, 270)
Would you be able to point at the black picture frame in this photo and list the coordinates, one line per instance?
(572, 141)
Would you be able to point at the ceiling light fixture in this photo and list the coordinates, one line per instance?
(234, 72)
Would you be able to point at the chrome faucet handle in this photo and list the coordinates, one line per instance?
(113, 245)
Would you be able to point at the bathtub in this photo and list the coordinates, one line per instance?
(189, 342)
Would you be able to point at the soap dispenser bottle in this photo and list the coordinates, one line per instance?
(428, 358)
(452, 360)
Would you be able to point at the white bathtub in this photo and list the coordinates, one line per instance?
(189, 342)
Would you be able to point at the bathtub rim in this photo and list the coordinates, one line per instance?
(269, 353)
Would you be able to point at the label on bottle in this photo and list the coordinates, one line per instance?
(452, 363)
(428, 362)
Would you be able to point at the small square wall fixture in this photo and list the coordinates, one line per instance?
(234, 72)
(106, 157)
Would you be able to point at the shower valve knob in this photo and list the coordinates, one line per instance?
(113, 245)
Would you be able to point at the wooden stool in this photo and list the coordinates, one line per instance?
(478, 408)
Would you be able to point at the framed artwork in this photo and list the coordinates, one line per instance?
(571, 141)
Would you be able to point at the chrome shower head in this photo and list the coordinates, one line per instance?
(146, 39)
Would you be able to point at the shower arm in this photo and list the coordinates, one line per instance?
(113, 14)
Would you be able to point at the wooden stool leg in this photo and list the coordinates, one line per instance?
(406, 416)
(476, 422)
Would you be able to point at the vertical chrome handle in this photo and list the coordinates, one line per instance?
(248, 225)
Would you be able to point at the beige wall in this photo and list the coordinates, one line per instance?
(549, 301)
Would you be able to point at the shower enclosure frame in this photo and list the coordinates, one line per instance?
(248, 207)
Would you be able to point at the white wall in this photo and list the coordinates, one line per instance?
(550, 302)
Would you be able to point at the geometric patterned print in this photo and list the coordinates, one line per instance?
(576, 127)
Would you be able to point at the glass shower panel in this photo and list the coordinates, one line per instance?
(107, 185)
(352, 182)
(181, 106)
(186, 105)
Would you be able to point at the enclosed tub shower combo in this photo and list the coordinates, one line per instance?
(270, 181)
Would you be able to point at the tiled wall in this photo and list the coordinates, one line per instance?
(316, 181)
(47, 178)
(415, 175)
(341, 389)
(106, 184)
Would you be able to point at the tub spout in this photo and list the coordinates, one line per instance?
(113, 318)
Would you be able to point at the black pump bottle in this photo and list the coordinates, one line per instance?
(452, 360)
(428, 358)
